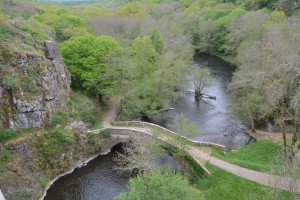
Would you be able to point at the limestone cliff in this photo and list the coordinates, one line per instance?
(33, 85)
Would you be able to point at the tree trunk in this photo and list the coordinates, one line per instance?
(252, 122)
(198, 95)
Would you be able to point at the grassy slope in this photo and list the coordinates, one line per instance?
(257, 156)
(224, 185)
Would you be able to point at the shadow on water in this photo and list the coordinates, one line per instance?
(211, 117)
(98, 180)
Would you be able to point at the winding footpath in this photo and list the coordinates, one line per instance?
(203, 157)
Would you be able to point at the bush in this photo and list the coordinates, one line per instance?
(7, 134)
(59, 118)
(11, 83)
(89, 116)
(30, 84)
(5, 155)
(105, 134)
(93, 143)
(165, 186)
(23, 193)
(51, 146)
(44, 181)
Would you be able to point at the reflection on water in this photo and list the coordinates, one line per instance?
(98, 180)
(211, 116)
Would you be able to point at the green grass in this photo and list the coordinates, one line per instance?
(224, 185)
(84, 108)
(258, 156)
(8, 134)
(98, 122)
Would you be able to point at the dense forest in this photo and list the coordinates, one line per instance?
(141, 51)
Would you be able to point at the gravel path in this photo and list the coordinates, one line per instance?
(202, 157)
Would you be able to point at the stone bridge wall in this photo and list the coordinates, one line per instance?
(128, 132)
(154, 126)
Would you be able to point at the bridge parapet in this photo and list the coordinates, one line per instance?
(155, 126)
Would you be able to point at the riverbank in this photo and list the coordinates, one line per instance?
(109, 143)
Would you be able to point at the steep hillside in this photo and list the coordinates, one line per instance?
(34, 81)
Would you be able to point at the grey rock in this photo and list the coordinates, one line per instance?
(80, 127)
(21, 108)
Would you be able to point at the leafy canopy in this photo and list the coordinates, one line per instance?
(86, 58)
(166, 186)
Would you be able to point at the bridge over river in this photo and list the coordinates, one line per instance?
(193, 148)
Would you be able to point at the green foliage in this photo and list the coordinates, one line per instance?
(59, 118)
(166, 186)
(86, 58)
(44, 180)
(23, 193)
(11, 83)
(132, 9)
(5, 156)
(37, 33)
(105, 134)
(258, 156)
(184, 128)
(30, 84)
(93, 143)
(84, 108)
(6, 33)
(51, 147)
(70, 26)
(157, 40)
(7, 134)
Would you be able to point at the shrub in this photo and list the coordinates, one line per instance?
(5, 155)
(89, 116)
(7, 134)
(23, 193)
(44, 181)
(59, 118)
(11, 83)
(50, 148)
(93, 143)
(105, 134)
(30, 84)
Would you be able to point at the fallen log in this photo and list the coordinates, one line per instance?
(208, 96)
(167, 109)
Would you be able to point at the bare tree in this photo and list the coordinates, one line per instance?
(140, 153)
(271, 67)
(201, 78)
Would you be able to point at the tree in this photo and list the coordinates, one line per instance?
(160, 186)
(86, 57)
(184, 128)
(157, 40)
(132, 9)
(201, 78)
(271, 67)
(139, 153)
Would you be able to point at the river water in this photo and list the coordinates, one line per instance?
(98, 180)
(211, 117)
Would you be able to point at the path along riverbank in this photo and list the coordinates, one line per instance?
(203, 157)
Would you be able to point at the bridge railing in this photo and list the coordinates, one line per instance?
(134, 132)
(162, 129)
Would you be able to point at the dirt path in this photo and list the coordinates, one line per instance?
(202, 157)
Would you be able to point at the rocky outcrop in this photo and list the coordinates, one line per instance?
(33, 87)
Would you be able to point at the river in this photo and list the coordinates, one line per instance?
(98, 180)
(211, 117)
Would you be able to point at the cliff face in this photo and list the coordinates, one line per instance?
(33, 86)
